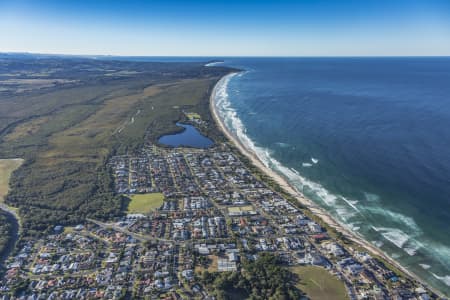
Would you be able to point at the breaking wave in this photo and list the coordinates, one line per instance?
(212, 64)
(282, 145)
(343, 209)
(393, 235)
(444, 279)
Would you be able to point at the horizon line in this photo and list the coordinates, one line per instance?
(225, 56)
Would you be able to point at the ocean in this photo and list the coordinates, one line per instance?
(367, 139)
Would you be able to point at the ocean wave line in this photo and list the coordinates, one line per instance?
(407, 241)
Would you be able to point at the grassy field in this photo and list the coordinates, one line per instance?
(319, 284)
(7, 166)
(236, 209)
(144, 203)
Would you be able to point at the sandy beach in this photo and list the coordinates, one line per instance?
(314, 208)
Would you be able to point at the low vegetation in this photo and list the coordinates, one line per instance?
(144, 203)
(319, 284)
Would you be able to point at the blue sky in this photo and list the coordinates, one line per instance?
(226, 28)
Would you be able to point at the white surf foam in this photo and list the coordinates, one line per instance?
(371, 197)
(406, 241)
(402, 237)
(352, 204)
(235, 125)
(413, 246)
(237, 128)
(282, 145)
(411, 250)
(378, 244)
(353, 226)
(395, 217)
(439, 252)
(345, 214)
(212, 64)
(425, 266)
(393, 235)
(445, 279)
(295, 171)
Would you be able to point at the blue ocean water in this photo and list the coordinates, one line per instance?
(368, 139)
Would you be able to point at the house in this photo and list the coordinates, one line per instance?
(188, 274)
(353, 269)
(203, 250)
(232, 256)
(58, 229)
(320, 237)
(314, 227)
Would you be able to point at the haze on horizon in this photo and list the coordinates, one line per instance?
(227, 28)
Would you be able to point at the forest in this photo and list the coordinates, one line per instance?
(5, 231)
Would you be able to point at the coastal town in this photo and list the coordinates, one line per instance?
(224, 150)
(195, 212)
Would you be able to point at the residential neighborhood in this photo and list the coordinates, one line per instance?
(215, 213)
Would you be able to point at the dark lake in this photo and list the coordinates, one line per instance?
(189, 137)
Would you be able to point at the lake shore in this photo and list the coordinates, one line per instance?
(310, 205)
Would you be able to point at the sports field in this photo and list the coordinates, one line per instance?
(144, 203)
(319, 284)
(236, 209)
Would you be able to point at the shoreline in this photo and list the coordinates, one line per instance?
(309, 204)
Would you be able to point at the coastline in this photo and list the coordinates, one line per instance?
(309, 204)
